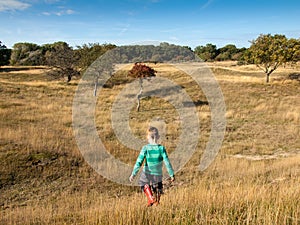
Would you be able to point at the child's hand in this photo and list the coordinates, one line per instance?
(131, 178)
(173, 179)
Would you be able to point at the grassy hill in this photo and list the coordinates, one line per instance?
(254, 180)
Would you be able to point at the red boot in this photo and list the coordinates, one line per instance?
(148, 193)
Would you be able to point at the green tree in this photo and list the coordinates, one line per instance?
(88, 53)
(26, 54)
(293, 53)
(239, 55)
(61, 57)
(269, 52)
(141, 71)
(2, 46)
(207, 52)
(227, 52)
(5, 54)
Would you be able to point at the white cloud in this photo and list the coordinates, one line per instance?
(206, 4)
(12, 5)
(69, 11)
(65, 12)
(51, 1)
(46, 13)
(59, 13)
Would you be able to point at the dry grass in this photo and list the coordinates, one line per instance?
(44, 179)
(264, 193)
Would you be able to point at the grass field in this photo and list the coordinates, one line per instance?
(255, 178)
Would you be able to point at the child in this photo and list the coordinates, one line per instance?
(151, 177)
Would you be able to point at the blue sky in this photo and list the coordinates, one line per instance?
(183, 22)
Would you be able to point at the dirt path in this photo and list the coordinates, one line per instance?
(276, 155)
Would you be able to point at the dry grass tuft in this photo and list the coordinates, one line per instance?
(45, 180)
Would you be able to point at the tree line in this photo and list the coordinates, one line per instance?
(267, 51)
(30, 54)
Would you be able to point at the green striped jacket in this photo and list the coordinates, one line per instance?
(153, 155)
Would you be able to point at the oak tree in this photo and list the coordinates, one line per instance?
(61, 57)
(269, 52)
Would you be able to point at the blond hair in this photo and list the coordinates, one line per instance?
(153, 135)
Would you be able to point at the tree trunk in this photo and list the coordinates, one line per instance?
(96, 87)
(69, 78)
(139, 95)
(138, 103)
(268, 78)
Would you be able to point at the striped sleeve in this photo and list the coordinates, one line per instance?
(167, 162)
(139, 162)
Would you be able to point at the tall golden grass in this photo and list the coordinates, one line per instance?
(44, 179)
(259, 193)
